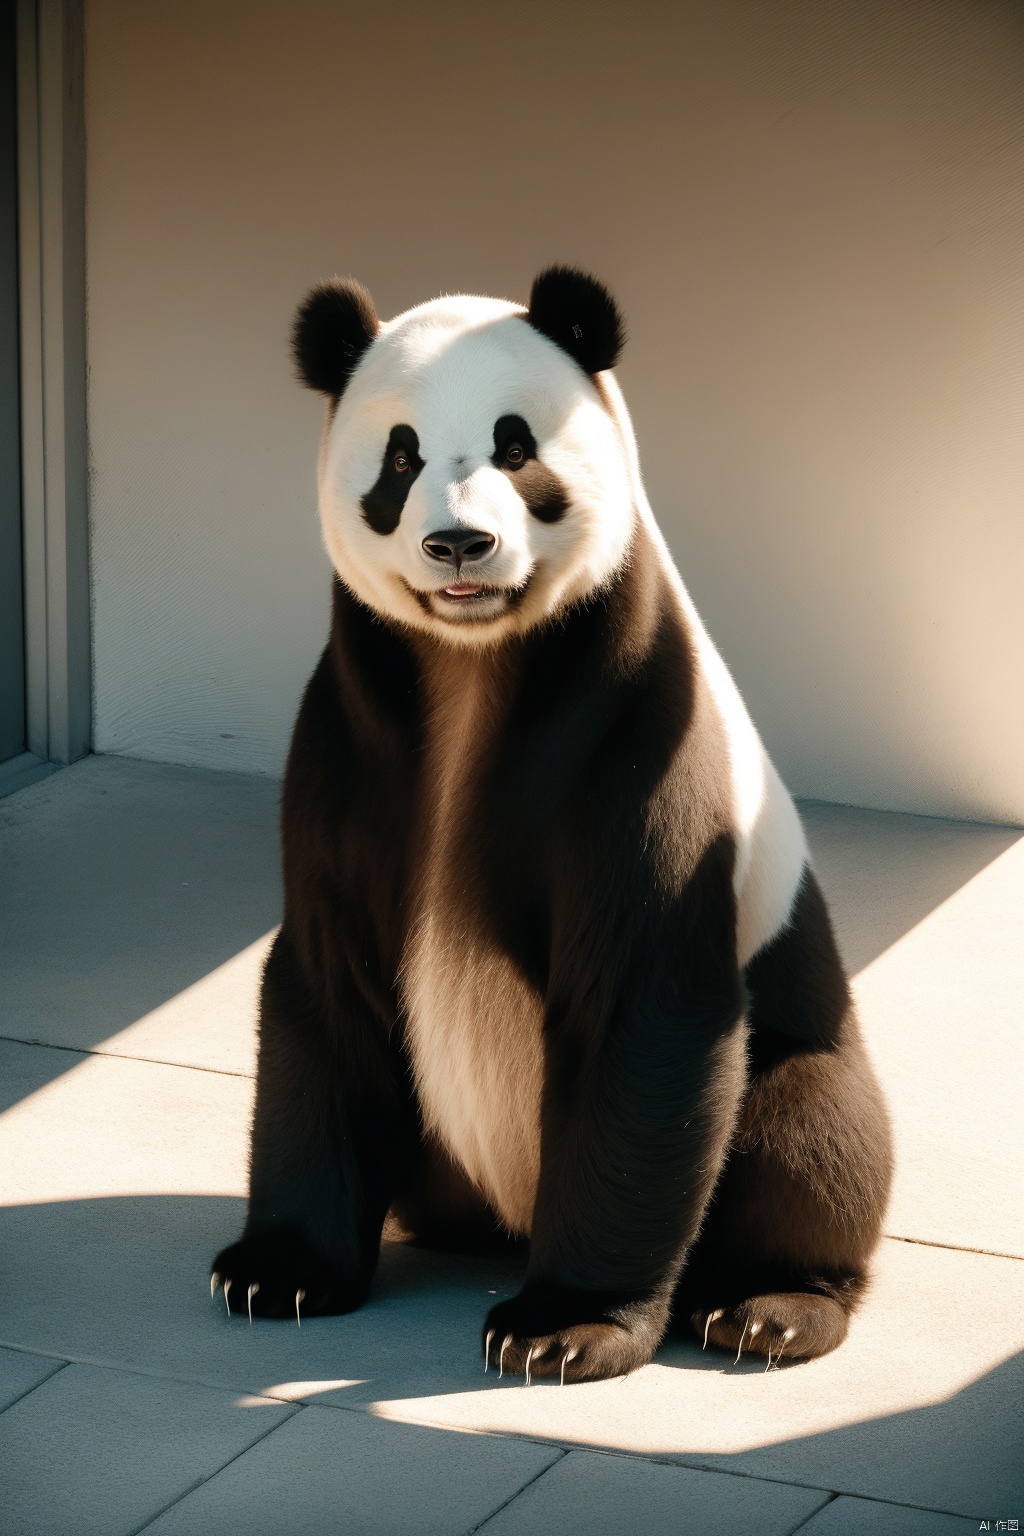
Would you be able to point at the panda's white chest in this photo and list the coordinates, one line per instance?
(473, 1022)
(474, 1032)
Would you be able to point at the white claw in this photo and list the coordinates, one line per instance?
(227, 1287)
(501, 1355)
(740, 1350)
(789, 1333)
(570, 1354)
(754, 1328)
(300, 1295)
(487, 1350)
(214, 1282)
(712, 1318)
(529, 1357)
(769, 1365)
(252, 1292)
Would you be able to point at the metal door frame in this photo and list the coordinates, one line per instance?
(54, 448)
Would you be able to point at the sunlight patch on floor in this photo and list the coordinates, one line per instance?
(941, 1012)
(113, 1126)
(898, 1357)
(210, 1024)
(294, 1392)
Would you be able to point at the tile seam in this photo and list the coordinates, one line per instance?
(813, 1515)
(481, 1525)
(657, 1458)
(923, 1509)
(928, 1242)
(62, 1364)
(129, 1368)
(202, 1481)
(155, 1061)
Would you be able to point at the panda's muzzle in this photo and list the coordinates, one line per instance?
(458, 548)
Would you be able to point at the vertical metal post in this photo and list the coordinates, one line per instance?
(12, 617)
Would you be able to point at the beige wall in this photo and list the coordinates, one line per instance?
(812, 213)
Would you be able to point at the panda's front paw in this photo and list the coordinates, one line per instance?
(275, 1273)
(536, 1335)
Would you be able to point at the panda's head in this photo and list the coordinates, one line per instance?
(473, 481)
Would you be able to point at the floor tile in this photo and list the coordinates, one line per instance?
(941, 1012)
(20, 1373)
(126, 1281)
(210, 1024)
(884, 872)
(960, 1454)
(98, 1452)
(99, 1126)
(929, 915)
(124, 884)
(334, 1472)
(122, 1177)
(865, 1517)
(123, 1279)
(589, 1495)
(922, 1404)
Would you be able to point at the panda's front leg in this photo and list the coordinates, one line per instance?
(331, 1130)
(635, 1127)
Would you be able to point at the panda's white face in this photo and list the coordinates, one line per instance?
(472, 482)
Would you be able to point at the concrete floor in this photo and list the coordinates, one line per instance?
(136, 902)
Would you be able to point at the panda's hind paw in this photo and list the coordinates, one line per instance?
(794, 1325)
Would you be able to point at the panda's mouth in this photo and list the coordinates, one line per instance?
(462, 592)
(468, 600)
(465, 601)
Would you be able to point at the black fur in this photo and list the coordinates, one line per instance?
(578, 313)
(599, 856)
(539, 486)
(333, 328)
(799, 1203)
(383, 502)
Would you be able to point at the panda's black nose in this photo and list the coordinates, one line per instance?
(458, 545)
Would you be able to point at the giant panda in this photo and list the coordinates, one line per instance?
(554, 965)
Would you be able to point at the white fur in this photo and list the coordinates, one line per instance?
(474, 1022)
(771, 850)
(450, 369)
(475, 1031)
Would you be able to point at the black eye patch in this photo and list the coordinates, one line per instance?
(382, 505)
(515, 454)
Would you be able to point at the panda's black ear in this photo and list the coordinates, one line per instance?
(579, 314)
(333, 327)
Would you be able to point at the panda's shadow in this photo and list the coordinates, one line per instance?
(124, 1281)
(451, 1293)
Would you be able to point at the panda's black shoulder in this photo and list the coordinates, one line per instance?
(360, 706)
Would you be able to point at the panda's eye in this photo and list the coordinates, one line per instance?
(401, 463)
(514, 453)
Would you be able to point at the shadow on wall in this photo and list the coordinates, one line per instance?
(124, 1281)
